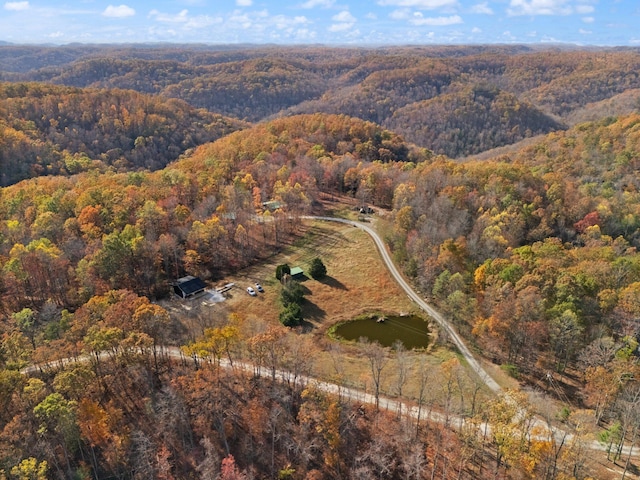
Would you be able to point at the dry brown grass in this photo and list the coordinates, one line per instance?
(357, 282)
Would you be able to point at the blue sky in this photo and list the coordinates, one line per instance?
(350, 22)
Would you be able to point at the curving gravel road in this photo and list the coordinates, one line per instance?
(545, 430)
(354, 394)
(444, 324)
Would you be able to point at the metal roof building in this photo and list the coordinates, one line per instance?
(188, 286)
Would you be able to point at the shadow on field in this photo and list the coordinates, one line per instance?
(311, 311)
(333, 283)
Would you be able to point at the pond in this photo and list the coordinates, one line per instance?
(411, 330)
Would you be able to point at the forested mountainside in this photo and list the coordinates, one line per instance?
(46, 129)
(405, 89)
(533, 256)
(91, 232)
(471, 120)
(539, 248)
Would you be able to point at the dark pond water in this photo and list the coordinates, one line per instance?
(411, 330)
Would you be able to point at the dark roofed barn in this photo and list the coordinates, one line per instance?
(188, 286)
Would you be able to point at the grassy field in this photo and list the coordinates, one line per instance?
(357, 282)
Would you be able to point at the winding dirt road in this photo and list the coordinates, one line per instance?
(355, 395)
(444, 324)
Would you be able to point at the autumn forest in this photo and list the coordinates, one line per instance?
(504, 182)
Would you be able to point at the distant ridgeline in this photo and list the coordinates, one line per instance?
(452, 100)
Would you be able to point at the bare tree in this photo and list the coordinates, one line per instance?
(376, 354)
(336, 352)
(402, 361)
(210, 465)
(628, 405)
(143, 455)
(424, 381)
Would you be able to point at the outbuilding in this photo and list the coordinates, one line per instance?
(189, 286)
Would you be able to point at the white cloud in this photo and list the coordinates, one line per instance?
(340, 27)
(202, 21)
(16, 6)
(585, 32)
(345, 22)
(422, 4)
(120, 11)
(583, 9)
(539, 7)
(244, 3)
(182, 17)
(186, 20)
(318, 3)
(344, 16)
(419, 20)
(482, 8)
(371, 16)
(304, 34)
(241, 20)
(588, 19)
(282, 23)
(296, 34)
(476, 30)
(353, 35)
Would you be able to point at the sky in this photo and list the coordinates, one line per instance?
(330, 22)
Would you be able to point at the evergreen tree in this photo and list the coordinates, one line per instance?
(317, 270)
(281, 270)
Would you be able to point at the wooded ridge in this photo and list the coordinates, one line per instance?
(491, 96)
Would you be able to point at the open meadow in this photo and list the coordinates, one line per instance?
(357, 283)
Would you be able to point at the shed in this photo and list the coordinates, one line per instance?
(188, 286)
(296, 271)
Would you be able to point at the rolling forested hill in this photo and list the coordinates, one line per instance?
(46, 129)
(539, 90)
(533, 256)
(471, 120)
